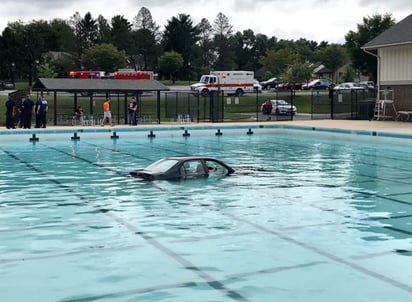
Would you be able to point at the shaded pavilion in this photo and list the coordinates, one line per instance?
(90, 87)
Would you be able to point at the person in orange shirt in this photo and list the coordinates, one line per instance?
(107, 113)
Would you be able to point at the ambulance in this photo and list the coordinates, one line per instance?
(229, 82)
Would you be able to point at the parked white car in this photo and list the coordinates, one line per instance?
(367, 84)
(257, 87)
(348, 86)
(279, 107)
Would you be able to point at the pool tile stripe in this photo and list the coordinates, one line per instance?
(213, 129)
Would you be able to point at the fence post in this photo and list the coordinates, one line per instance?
(331, 102)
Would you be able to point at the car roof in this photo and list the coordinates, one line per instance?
(277, 100)
(190, 157)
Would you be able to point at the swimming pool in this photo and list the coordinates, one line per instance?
(326, 220)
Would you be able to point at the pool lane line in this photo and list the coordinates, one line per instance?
(87, 161)
(92, 249)
(124, 293)
(378, 254)
(384, 197)
(134, 155)
(409, 233)
(46, 176)
(326, 254)
(276, 269)
(215, 284)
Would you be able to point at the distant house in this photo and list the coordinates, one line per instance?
(393, 49)
(322, 72)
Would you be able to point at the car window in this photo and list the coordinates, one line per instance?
(162, 165)
(215, 168)
(192, 168)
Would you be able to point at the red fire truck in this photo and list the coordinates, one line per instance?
(131, 74)
(85, 74)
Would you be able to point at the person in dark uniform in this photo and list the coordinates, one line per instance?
(42, 112)
(10, 107)
(36, 110)
(28, 105)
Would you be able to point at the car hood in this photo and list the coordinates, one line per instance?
(197, 85)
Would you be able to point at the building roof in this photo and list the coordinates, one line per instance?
(398, 34)
(94, 85)
(321, 69)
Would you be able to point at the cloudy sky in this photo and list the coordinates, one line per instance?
(318, 20)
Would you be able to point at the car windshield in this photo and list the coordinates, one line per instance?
(281, 102)
(204, 80)
(162, 165)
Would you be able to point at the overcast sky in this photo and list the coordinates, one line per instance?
(318, 20)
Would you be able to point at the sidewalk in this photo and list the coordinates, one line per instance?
(395, 127)
(381, 126)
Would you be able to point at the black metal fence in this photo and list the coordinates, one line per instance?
(184, 106)
(354, 104)
(181, 106)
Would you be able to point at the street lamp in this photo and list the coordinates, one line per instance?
(189, 71)
(12, 72)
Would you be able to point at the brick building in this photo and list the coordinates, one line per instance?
(393, 50)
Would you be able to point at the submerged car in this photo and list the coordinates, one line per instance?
(278, 107)
(183, 167)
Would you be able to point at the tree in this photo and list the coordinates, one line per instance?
(86, 31)
(246, 55)
(333, 57)
(371, 28)
(46, 70)
(206, 56)
(181, 36)
(222, 43)
(63, 36)
(121, 36)
(276, 62)
(170, 63)
(144, 20)
(60, 62)
(145, 38)
(104, 30)
(298, 73)
(105, 57)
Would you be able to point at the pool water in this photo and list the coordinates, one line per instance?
(325, 220)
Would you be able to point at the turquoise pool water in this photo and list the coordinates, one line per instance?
(327, 220)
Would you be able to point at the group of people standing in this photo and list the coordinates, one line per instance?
(20, 115)
(133, 109)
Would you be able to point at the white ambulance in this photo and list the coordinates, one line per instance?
(230, 82)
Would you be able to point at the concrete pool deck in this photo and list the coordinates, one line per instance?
(378, 126)
(395, 127)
